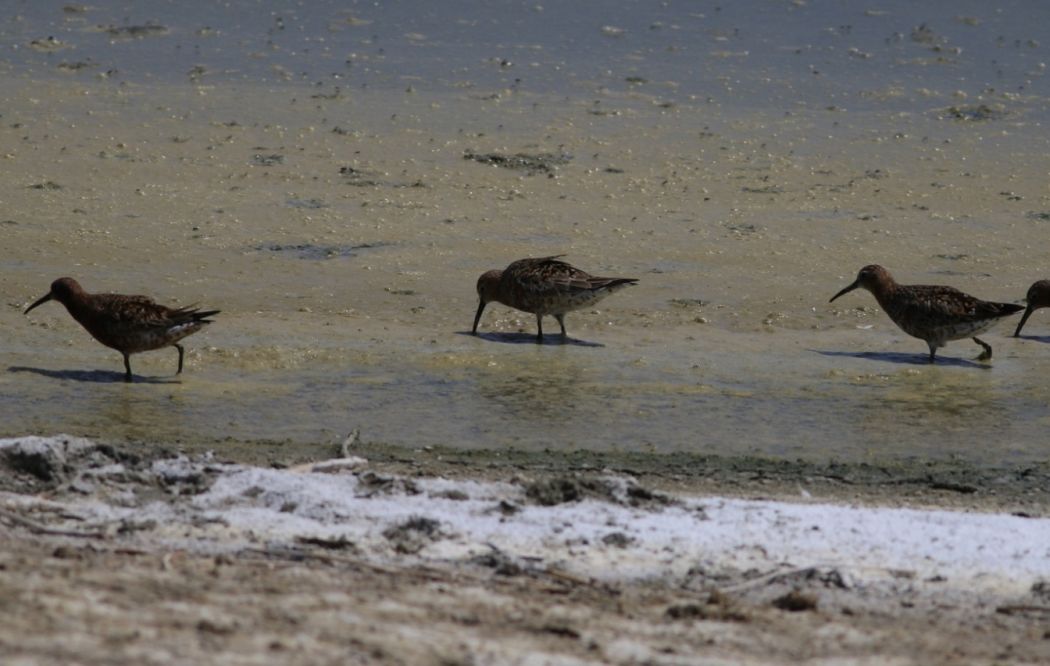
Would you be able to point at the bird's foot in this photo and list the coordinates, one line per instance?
(986, 355)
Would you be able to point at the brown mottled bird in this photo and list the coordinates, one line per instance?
(129, 324)
(1038, 297)
(932, 313)
(544, 286)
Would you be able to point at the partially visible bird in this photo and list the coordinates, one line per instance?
(1038, 297)
(544, 286)
(932, 313)
(129, 324)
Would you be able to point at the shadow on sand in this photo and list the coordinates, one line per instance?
(906, 359)
(1035, 338)
(529, 338)
(92, 376)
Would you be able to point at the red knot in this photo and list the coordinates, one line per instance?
(544, 286)
(1038, 297)
(935, 314)
(129, 324)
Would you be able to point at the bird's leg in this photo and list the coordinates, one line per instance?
(127, 366)
(933, 351)
(539, 329)
(181, 352)
(986, 355)
(561, 322)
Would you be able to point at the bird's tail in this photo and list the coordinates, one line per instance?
(203, 316)
(612, 284)
(194, 314)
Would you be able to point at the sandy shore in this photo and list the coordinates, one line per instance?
(112, 556)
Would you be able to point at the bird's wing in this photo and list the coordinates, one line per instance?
(546, 275)
(941, 301)
(140, 311)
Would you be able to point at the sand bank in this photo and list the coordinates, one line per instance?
(630, 574)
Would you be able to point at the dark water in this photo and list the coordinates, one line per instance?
(749, 54)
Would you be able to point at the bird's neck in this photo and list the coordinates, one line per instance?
(884, 292)
(79, 309)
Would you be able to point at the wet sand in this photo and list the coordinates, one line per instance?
(327, 196)
(345, 263)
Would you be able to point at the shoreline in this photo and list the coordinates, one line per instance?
(1021, 488)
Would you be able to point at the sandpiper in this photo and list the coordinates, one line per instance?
(932, 313)
(129, 324)
(544, 286)
(1038, 297)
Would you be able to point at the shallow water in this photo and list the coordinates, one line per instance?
(303, 170)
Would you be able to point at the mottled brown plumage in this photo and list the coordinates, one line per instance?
(544, 286)
(1038, 297)
(129, 324)
(932, 313)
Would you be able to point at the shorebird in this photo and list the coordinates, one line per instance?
(932, 313)
(544, 286)
(129, 324)
(1038, 297)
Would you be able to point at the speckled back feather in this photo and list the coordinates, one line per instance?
(548, 286)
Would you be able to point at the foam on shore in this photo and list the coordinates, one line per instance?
(616, 537)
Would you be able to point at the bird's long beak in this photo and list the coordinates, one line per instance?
(1024, 318)
(40, 301)
(844, 291)
(477, 317)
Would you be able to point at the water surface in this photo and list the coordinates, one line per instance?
(302, 168)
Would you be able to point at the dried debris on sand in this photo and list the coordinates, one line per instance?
(110, 556)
